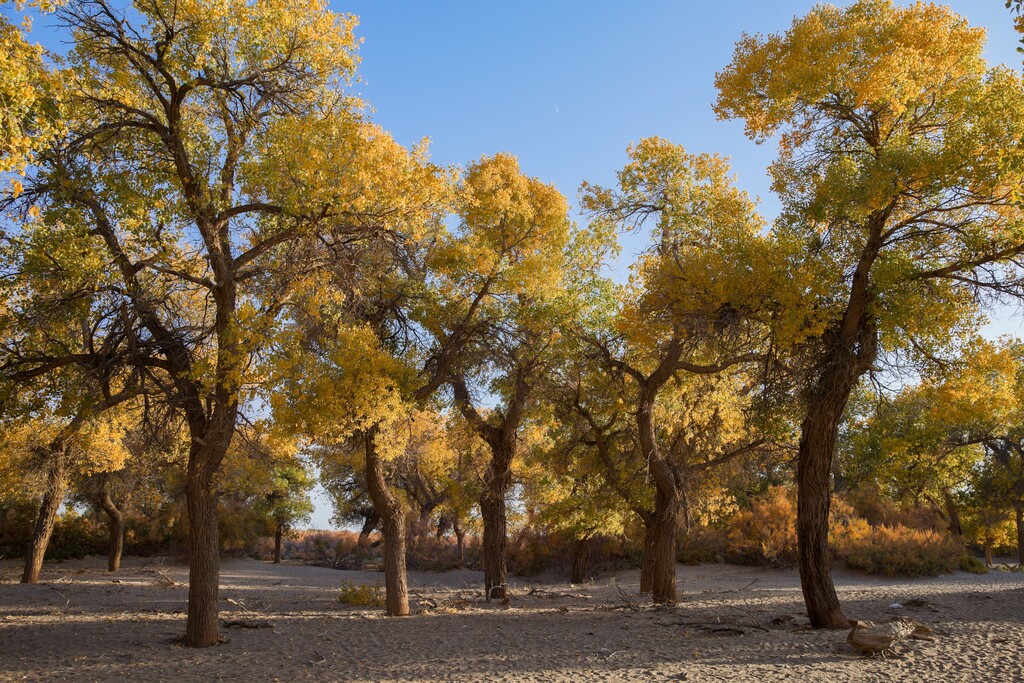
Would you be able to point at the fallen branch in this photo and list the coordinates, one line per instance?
(242, 623)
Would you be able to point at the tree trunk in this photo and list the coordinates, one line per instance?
(460, 539)
(663, 547)
(201, 628)
(1019, 509)
(647, 566)
(278, 536)
(495, 542)
(369, 524)
(953, 512)
(817, 447)
(56, 485)
(581, 560)
(988, 552)
(115, 525)
(392, 518)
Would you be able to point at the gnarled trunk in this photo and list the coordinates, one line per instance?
(581, 560)
(56, 485)
(392, 518)
(817, 448)
(278, 537)
(115, 525)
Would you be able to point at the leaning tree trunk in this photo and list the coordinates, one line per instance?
(56, 485)
(581, 560)
(115, 525)
(816, 451)
(647, 562)
(201, 628)
(370, 522)
(392, 518)
(278, 537)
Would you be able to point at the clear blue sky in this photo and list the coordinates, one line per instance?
(567, 85)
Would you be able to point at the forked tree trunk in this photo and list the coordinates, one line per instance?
(581, 560)
(392, 517)
(817, 447)
(56, 485)
(278, 536)
(201, 628)
(115, 525)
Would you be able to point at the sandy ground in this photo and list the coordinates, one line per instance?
(734, 624)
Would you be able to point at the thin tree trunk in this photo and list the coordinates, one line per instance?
(369, 524)
(647, 566)
(46, 517)
(581, 560)
(988, 552)
(460, 539)
(817, 447)
(1019, 509)
(392, 518)
(953, 513)
(201, 628)
(115, 525)
(278, 536)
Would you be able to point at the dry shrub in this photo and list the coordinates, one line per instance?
(362, 594)
(764, 532)
(902, 551)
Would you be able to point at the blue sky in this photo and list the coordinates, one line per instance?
(566, 85)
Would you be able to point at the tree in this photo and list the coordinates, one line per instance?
(899, 172)
(690, 323)
(205, 143)
(506, 262)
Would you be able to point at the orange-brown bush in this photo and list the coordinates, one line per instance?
(764, 532)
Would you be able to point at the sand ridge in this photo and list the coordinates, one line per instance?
(734, 624)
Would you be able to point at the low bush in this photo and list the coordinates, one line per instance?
(361, 594)
(970, 563)
(902, 551)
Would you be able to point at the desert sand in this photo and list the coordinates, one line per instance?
(733, 624)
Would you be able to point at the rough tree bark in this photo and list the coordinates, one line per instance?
(392, 517)
(201, 627)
